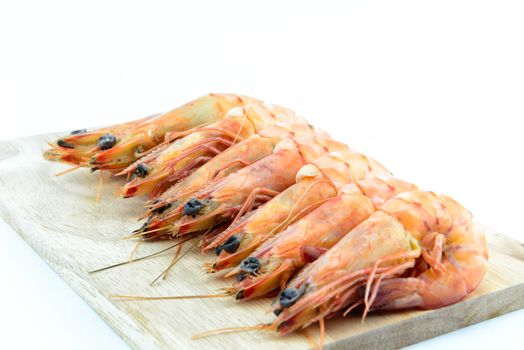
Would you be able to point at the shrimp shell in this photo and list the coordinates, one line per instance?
(420, 250)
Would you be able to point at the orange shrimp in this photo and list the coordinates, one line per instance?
(116, 147)
(79, 146)
(163, 211)
(182, 153)
(304, 241)
(238, 193)
(420, 250)
(315, 183)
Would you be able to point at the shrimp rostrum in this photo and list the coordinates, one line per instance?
(420, 250)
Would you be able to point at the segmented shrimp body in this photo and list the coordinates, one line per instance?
(167, 207)
(420, 250)
(304, 241)
(178, 157)
(316, 182)
(240, 192)
(117, 147)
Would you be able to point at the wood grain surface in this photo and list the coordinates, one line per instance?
(59, 218)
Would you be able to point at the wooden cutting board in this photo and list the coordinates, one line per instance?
(59, 218)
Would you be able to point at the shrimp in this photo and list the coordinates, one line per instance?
(420, 250)
(163, 210)
(316, 182)
(237, 194)
(116, 147)
(80, 145)
(177, 158)
(304, 241)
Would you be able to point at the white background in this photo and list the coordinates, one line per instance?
(433, 89)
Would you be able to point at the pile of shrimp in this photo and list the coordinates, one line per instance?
(288, 211)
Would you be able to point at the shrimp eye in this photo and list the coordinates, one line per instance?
(241, 276)
(289, 296)
(192, 207)
(79, 131)
(106, 141)
(162, 209)
(230, 245)
(65, 144)
(218, 250)
(250, 265)
(141, 170)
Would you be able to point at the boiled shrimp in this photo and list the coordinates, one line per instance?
(238, 193)
(80, 145)
(181, 154)
(420, 250)
(315, 182)
(303, 242)
(163, 210)
(116, 147)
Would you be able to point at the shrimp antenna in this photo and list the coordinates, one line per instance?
(141, 258)
(135, 249)
(351, 308)
(70, 170)
(290, 219)
(166, 271)
(173, 261)
(237, 136)
(258, 327)
(287, 220)
(99, 190)
(309, 339)
(207, 128)
(179, 134)
(322, 332)
(224, 294)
